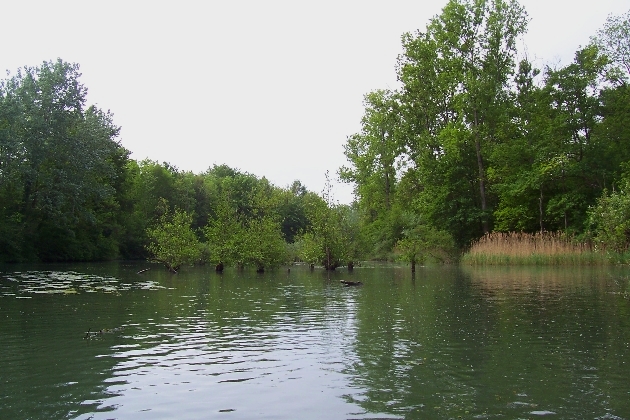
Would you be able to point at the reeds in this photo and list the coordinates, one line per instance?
(532, 249)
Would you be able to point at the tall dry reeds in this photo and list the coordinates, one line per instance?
(531, 249)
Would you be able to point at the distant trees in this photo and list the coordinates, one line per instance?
(472, 142)
(68, 190)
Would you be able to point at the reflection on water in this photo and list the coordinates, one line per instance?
(445, 343)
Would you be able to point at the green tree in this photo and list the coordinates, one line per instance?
(455, 95)
(173, 242)
(575, 172)
(609, 219)
(421, 241)
(245, 228)
(374, 155)
(263, 244)
(614, 41)
(63, 166)
(428, 147)
(223, 234)
(323, 243)
(290, 208)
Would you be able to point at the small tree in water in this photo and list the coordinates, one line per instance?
(324, 243)
(421, 241)
(173, 241)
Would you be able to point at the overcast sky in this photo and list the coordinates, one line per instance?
(272, 88)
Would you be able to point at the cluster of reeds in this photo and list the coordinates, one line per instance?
(532, 249)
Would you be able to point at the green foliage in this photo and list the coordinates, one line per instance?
(223, 235)
(291, 210)
(61, 169)
(472, 142)
(325, 242)
(427, 147)
(245, 229)
(173, 242)
(609, 220)
(614, 40)
(421, 242)
(69, 192)
(263, 244)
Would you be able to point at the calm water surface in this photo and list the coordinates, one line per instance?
(447, 343)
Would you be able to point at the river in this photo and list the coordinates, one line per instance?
(100, 341)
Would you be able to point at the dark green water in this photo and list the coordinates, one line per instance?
(447, 343)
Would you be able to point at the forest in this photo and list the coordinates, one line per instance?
(475, 140)
(478, 140)
(70, 192)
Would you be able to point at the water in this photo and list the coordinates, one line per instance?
(99, 341)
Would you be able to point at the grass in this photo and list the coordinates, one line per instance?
(532, 249)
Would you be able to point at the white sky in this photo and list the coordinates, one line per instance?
(272, 88)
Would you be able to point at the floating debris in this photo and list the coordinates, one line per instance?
(26, 284)
(89, 334)
(351, 283)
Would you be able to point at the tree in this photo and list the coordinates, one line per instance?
(222, 234)
(574, 171)
(245, 228)
(323, 243)
(609, 219)
(420, 241)
(374, 155)
(63, 166)
(428, 147)
(614, 41)
(263, 245)
(173, 242)
(455, 94)
(290, 209)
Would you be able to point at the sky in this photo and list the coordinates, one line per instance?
(270, 87)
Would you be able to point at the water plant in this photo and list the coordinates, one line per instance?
(517, 248)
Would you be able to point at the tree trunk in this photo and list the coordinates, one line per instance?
(482, 188)
(482, 179)
(540, 210)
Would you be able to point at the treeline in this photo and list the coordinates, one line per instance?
(473, 141)
(70, 192)
(477, 140)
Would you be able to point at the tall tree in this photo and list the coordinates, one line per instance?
(64, 165)
(614, 41)
(455, 99)
(374, 154)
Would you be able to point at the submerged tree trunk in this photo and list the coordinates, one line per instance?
(540, 210)
(169, 266)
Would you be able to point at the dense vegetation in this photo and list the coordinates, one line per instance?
(472, 142)
(475, 141)
(69, 192)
